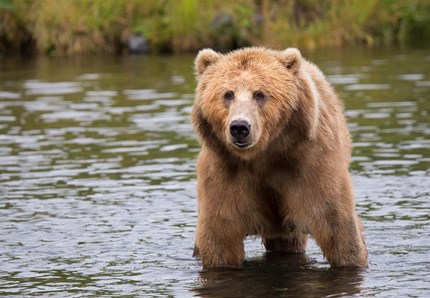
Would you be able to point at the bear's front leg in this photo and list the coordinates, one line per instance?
(339, 235)
(222, 213)
(219, 242)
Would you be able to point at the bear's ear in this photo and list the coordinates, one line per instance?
(291, 58)
(205, 58)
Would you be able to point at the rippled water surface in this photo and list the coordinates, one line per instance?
(97, 181)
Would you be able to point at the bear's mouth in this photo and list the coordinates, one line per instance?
(241, 144)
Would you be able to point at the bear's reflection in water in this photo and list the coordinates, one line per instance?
(280, 275)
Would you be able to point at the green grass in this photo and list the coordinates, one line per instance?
(73, 27)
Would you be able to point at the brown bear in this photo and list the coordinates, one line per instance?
(274, 159)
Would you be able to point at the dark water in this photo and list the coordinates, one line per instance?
(97, 181)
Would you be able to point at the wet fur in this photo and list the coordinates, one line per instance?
(294, 180)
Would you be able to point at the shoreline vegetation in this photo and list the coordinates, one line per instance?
(77, 27)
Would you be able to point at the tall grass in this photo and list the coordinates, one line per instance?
(69, 27)
(317, 23)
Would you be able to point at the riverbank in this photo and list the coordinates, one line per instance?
(64, 27)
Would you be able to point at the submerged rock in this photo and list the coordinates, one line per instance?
(137, 44)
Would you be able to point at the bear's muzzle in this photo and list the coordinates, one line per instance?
(240, 130)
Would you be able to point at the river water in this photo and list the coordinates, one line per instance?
(97, 181)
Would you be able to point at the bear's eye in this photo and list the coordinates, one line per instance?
(229, 95)
(259, 95)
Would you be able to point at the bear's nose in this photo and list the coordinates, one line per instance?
(240, 128)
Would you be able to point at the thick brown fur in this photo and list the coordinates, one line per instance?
(292, 179)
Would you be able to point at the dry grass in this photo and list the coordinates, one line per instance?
(69, 27)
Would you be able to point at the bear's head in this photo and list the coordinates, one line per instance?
(245, 98)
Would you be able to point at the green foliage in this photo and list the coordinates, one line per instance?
(312, 23)
(7, 5)
(93, 26)
(402, 21)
